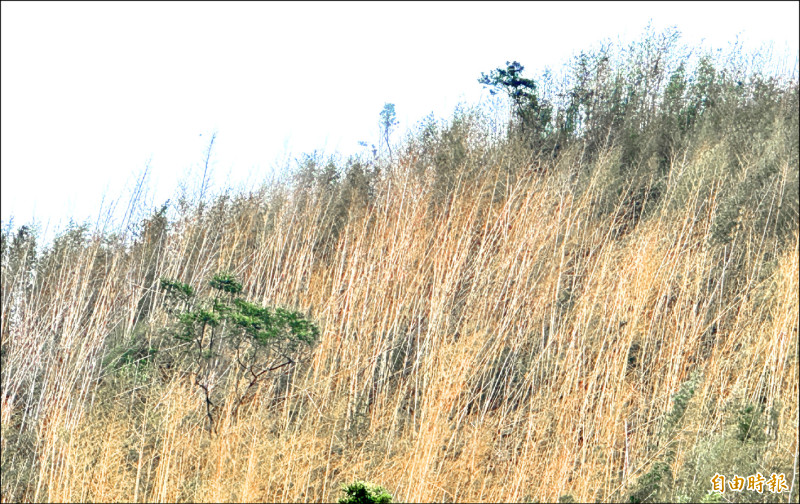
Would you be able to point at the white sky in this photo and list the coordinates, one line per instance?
(93, 91)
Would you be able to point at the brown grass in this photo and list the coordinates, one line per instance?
(496, 325)
(538, 283)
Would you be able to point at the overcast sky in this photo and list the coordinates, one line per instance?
(93, 92)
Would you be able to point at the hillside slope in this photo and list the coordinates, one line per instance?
(600, 302)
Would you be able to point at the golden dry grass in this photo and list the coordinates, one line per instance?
(537, 345)
(498, 323)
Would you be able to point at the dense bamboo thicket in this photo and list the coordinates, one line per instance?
(597, 302)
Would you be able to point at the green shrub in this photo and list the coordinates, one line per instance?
(657, 484)
(740, 449)
(360, 492)
(225, 331)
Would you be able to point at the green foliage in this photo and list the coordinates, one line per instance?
(358, 188)
(5, 234)
(18, 266)
(748, 423)
(360, 492)
(149, 247)
(134, 356)
(655, 102)
(509, 80)
(226, 331)
(711, 497)
(680, 402)
(657, 484)
(177, 290)
(450, 156)
(133, 360)
(761, 196)
(739, 449)
(226, 282)
(336, 194)
(532, 113)
(19, 260)
(441, 155)
(653, 485)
